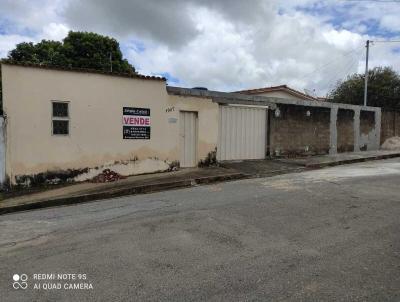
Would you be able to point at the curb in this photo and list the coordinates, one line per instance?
(133, 190)
(350, 161)
(163, 186)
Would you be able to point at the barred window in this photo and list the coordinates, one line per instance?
(60, 109)
(60, 118)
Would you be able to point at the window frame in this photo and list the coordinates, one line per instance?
(60, 118)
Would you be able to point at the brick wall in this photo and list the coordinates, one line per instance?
(295, 133)
(300, 130)
(390, 124)
(345, 130)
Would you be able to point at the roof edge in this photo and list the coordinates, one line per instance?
(81, 70)
(278, 88)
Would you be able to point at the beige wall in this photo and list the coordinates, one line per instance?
(96, 103)
(207, 120)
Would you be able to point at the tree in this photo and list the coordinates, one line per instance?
(45, 53)
(78, 50)
(383, 89)
(94, 51)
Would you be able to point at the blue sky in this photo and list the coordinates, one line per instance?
(221, 44)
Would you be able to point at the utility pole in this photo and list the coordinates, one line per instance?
(366, 74)
(110, 61)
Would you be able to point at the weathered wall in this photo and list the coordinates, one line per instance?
(390, 124)
(367, 131)
(295, 133)
(345, 130)
(96, 103)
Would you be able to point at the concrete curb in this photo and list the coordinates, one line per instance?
(184, 183)
(350, 161)
(131, 190)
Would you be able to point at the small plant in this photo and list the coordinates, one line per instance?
(210, 160)
(174, 166)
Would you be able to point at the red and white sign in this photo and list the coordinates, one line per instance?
(134, 120)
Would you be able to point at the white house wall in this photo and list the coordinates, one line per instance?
(95, 104)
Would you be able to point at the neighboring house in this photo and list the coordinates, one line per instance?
(282, 91)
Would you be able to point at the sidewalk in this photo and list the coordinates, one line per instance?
(316, 162)
(84, 192)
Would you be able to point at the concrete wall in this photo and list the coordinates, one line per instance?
(367, 131)
(294, 132)
(302, 130)
(95, 104)
(305, 127)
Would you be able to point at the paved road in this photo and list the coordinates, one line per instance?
(327, 235)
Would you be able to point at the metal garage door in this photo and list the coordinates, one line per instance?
(241, 133)
(188, 139)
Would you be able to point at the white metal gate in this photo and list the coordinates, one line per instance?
(2, 152)
(188, 139)
(241, 133)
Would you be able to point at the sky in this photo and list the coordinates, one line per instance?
(223, 45)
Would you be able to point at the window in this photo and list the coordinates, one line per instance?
(60, 118)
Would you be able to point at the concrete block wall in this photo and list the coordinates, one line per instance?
(299, 130)
(302, 130)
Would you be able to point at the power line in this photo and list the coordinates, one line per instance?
(388, 41)
(318, 68)
(349, 65)
(376, 1)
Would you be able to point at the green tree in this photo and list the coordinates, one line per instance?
(45, 52)
(94, 51)
(78, 50)
(383, 89)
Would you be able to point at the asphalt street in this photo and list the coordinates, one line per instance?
(324, 235)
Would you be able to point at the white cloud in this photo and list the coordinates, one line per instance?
(390, 22)
(8, 42)
(285, 49)
(55, 31)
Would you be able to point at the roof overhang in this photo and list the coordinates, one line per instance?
(256, 100)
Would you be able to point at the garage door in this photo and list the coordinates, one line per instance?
(241, 133)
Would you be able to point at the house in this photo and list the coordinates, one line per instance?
(71, 124)
(282, 91)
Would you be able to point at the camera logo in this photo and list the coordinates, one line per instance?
(20, 281)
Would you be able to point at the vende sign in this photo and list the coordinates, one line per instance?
(136, 123)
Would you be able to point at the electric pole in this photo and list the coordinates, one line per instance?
(366, 74)
(110, 61)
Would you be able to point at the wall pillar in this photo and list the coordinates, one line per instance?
(378, 117)
(356, 127)
(333, 130)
